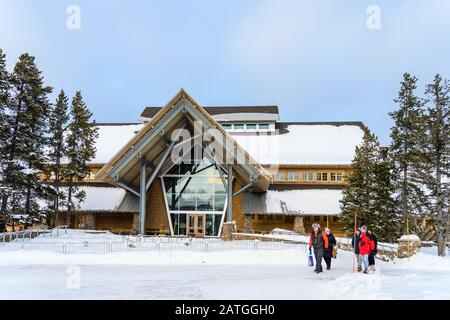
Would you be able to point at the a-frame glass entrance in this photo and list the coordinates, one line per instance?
(196, 198)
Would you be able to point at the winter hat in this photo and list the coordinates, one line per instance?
(316, 225)
(363, 228)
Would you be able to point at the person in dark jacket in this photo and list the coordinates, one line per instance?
(373, 253)
(355, 244)
(319, 241)
(328, 253)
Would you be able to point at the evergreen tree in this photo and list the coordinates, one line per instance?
(367, 196)
(437, 151)
(25, 140)
(59, 118)
(386, 219)
(406, 153)
(80, 151)
(4, 99)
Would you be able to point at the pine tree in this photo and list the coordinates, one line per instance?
(24, 143)
(386, 219)
(367, 196)
(59, 118)
(406, 153)
(4, 99)
(437, 151)
(80, 151)
(357, 196)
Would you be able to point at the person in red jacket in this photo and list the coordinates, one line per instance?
(366, 245)
(319, 241)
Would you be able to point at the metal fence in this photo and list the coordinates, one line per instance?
(160, 245)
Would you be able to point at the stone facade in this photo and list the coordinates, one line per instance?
(248, 223)
(299, 227)
(227, 230)
(408, 246)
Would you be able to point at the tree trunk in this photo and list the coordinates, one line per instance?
(405, 201)
(69, 203)
(441, 228)
(57, 197)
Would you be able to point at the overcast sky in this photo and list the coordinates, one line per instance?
(317, 60)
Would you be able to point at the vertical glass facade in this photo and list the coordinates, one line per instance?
(195, 189)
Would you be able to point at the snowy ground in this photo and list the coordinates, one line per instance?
(278, 274)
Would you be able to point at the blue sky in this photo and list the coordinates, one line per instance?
(316, 60)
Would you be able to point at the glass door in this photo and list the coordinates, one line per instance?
(196, 225)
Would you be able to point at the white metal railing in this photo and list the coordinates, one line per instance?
(30, 234)
(163, 245)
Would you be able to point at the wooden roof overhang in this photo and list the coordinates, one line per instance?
(152, 141)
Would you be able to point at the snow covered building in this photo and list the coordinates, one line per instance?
(170, 173)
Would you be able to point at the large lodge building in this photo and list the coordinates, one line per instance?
(283, 174)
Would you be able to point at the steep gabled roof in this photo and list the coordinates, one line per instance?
(151, 142)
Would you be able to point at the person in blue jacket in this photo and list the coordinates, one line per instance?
(357, 237)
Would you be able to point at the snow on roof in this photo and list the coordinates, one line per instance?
(314, 201)
(294, 202)
(302, 144)
(305, 144)
(101, 199)
(111, 138)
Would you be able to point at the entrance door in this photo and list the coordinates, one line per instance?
(196, 225)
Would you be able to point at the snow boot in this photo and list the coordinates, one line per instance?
(366, 271)
(359, 269)
(328, 268)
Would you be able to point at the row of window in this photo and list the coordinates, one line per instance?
(308, 176)
(245, 126)
(282, 217)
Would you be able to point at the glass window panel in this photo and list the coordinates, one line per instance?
(219, 202)
(227, 126)
(205, 202)
(173, 201)
(263, 126)
(280, 176)
(175, 224)
(187, 202)
(218, 186)
(292, 176)
(251, 126)
(170, 183)
(209, 226)
(174, 170)
(187, 185)
(217, 220)
(204, 185)
(307, 176)
(238, 126)
(182, 224)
